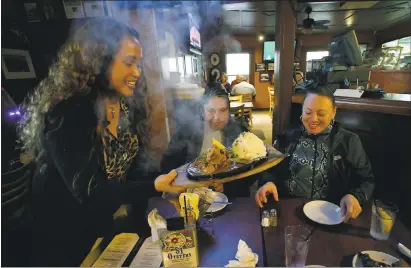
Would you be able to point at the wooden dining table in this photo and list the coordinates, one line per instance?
(247, 104)
(218, 238)
(329, 245)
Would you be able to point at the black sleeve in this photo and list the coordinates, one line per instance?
(362, 177)
(176, 153)
(68, 142)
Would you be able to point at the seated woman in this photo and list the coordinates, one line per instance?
(91, 143)
(196, 136)
(224, 82)
(326, 161)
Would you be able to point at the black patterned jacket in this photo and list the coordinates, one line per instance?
(349, 169)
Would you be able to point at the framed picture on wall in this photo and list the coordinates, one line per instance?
(264, 77)
(17, 64)
(260, 67)
(270, 66)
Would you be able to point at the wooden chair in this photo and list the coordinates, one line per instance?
(237, 111)
(271, 98)
(238, 98)
(238, 115)
(248, 111)
(15, 213)
(247, 97)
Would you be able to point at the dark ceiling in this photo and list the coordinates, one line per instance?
(249, 18)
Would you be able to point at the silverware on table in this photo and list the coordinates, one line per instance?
(404, 250)
(221, 203)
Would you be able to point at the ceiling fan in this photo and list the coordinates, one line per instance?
(309, 24)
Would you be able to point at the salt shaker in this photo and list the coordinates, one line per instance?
(273, 218)
(265, 221)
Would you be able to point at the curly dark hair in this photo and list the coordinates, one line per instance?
(81, 67)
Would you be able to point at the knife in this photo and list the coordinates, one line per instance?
(221, 203)
(404, 250)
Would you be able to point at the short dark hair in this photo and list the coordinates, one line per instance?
(214, 89)
(320, 91)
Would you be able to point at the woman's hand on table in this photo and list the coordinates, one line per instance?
(266, 189)
(164, 183)
(350, 207)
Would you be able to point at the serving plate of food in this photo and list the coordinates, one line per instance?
(246, 152)
(370, 258)
(247, 156)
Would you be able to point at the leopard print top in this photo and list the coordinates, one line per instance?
(120, 151)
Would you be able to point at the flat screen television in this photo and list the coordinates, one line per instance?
(345, 50)
(195, 39)
(269, 50)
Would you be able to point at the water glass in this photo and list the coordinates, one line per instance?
(382, 219)
(296, 245)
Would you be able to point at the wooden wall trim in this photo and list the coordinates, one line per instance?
(284, 63)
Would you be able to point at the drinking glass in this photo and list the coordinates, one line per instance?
(382, 219)
(296, 245)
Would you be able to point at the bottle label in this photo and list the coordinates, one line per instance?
(179, 249)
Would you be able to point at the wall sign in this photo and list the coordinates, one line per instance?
(17, 64)
(260, 67)
(74, 9)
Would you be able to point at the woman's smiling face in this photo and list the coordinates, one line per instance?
(125, 69)
(318, 111)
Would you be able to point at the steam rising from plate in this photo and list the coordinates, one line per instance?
(149, 19)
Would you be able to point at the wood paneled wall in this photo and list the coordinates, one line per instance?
(392, 81)
(254, 46)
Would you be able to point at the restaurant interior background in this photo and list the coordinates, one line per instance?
(229, 27)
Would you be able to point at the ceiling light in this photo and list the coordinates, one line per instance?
(261, 37)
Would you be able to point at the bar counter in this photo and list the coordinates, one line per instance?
(390, 103)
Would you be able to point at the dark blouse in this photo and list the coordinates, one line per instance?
(120, 151)
(73, 199)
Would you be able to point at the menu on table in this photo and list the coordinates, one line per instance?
(117, 251)
(149, 255)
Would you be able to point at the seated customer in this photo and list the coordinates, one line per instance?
(235, 81)
(196, 136)
(326, 161)
(224, 82)
(243, 88)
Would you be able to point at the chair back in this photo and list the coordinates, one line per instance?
(247, 97)
(270, 89)
(15, 190)
(271, 95)
(15, 214)
(238, 98)
(237, 111)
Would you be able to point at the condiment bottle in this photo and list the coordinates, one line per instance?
(189, 204)
(273, 218)
(265, 221)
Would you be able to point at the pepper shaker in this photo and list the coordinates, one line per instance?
(273, 218)
(265, 221)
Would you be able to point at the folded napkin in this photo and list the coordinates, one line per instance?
(156, 221)
(245, 257)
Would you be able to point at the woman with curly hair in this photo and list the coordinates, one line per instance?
(86, 124)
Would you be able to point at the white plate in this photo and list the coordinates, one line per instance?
(323, 212)
(375, 255)
(314, 266)
(218, 197)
